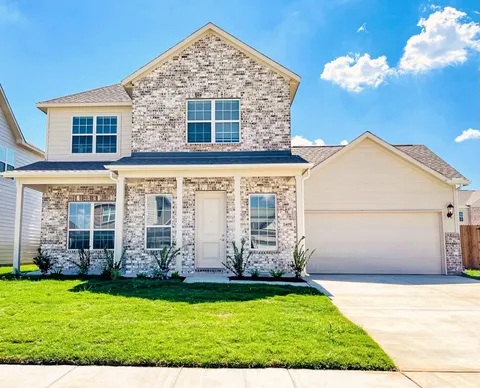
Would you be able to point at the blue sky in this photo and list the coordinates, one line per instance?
(385, 78)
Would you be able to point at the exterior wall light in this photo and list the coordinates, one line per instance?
(450, 211)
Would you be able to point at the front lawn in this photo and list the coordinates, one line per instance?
(5, 269)
(473, 273)
(150, 322)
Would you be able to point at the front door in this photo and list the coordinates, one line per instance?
(210, 228)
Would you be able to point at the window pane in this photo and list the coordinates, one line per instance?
(82, 144)
(199, 133)
(159, 237)
(2, 167)
(104, 239)
(10, 157)
(263, 223)
(79, 216)
(104, 216)
(106, 124)
(159, 210)
(10, 167)
(82, 125)
(106, 144)
(79, 240)
(227, 110)
(199, 110)
(227, 132)
(3, 154)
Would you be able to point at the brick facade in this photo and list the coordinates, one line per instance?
(55, 220)
(474, 215)
(210, 69)
(453, 251)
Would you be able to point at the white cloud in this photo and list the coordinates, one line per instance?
(468, 134)
(363, 28)
(446, 39)
(301, 141)
(344, 142)
(355, 73)
(9, 12)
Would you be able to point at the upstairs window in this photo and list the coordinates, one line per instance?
(7, 159)
(213, 121)
(97, 133)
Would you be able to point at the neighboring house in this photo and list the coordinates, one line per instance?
(15, 152)
(194, 149)
(469, 207)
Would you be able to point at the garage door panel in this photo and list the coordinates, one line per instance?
(374, 242)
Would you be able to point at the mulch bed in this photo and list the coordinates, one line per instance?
(268, 279)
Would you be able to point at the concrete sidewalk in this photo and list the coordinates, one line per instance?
(64, 376)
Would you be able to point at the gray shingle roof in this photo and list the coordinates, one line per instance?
(210, 158)
(111, 93)
(421, 153)
(64, 166)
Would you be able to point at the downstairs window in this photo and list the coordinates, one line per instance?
(263, 222)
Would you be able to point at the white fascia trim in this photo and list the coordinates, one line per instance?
(55, 174)
(150, 167)
(44, 106)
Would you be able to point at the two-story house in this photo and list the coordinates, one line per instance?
(194, 149)
(15, 152)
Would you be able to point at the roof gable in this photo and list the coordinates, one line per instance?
(14, 127)
(418, 155)
(230, 39)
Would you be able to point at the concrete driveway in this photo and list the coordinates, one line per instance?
(425, 323)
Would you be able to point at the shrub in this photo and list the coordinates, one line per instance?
(277, 273)
(43, 261)
(175, 275)
(143, 275)
(300, 258)
(83, 263)
(112, 268)
(57, 271)
(238, 263)
(164, 259)
(255, 273)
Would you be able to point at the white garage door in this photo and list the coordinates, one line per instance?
(374, 243)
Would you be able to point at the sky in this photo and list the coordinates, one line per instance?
(408, 70)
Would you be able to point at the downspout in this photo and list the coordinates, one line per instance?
(305, 176)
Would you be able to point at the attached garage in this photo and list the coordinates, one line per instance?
(374, 242)
(375, 208)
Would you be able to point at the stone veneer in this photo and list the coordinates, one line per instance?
(210, 69)
(453, 251)
(55, 220)
(138, 259)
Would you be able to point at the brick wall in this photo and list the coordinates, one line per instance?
(209, 69)
(55, 220)
(474, 213)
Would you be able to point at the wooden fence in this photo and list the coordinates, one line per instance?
(470, 239)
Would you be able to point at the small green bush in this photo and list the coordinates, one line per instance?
(143, 275)
(277, 273)
(83, 263)
(300, 258)
(175, 275)
(112, 269)
(254, 273)
(238, 263)
(43, 261)
(164, 259)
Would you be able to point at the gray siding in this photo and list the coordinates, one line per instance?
(32, 203)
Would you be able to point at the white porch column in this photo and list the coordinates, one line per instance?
(179, 239)
(17, 236)
(238, 209)
(119, 217)
(300, 207)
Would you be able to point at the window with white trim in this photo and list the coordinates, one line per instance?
(460, 216)
(158, 221)
(7, 159)
(91, 225)
(94, 134)
(213, 121)
(263, 221)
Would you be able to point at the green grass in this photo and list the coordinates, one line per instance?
(149, 322)
(23, 268)
(473, 273)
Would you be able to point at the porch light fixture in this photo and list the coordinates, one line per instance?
(450, 211)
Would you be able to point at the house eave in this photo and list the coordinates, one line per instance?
(44, 106)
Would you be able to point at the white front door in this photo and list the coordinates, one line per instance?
(210, 229)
